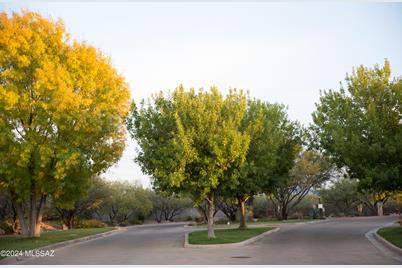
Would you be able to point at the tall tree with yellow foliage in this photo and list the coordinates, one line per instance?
(62, 108)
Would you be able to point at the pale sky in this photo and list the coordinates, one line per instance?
(280, 52)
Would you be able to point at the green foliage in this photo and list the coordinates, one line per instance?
(360, 127)
(274, 144)
(191, 142)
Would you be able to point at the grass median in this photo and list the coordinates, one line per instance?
(47, 238)
(392, 235)
(225, 236)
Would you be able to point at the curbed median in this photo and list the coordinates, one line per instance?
(224, 240)
(383, 245)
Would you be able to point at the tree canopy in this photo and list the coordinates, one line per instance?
(274, 144)
(191, 142)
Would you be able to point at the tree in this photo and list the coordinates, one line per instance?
(192, 143)
(375, 201)
(86, 205)
(62, 109)
(168, 207)
(126, 201)
(228, 206)
(360, 127)
(274, 142)
(341, 198)
(310, 170)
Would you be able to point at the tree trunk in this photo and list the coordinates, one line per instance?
(69, 220)
(39, 215)
(211, 210)
(242, 207)
(380, 208)
(284, 212)
(32, 213)
(15, 218)
(21, 219)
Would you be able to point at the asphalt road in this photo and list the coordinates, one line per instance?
(338, 241)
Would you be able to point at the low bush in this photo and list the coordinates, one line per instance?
(92, 223)
(135, 221)
(6, 227)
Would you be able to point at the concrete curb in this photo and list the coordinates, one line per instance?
(229, 245)
(19, 260)
(383, 245)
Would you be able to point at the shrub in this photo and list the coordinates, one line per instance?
(92, 223)
(135, 221)
(6, 227)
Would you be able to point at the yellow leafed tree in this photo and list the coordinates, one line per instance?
(62, 111)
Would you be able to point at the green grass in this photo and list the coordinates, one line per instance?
(392, 235)
(47, 238)
(224, 236)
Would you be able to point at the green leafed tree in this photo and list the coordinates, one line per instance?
(274, 143)
(191, 142)
(89, 203)
(360, 127)
(126, 201)
(62, 109)
(341, 198)
(310, 170)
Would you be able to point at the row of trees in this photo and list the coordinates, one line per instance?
(115, 202)
(207, 145)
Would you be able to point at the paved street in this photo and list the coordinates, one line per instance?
(339, 241)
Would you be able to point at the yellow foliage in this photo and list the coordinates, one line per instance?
(62, 105)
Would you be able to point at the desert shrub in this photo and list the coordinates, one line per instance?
(6, 227)
(135, 221)
(92, 223)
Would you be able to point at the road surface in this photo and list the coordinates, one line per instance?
(338, 241)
